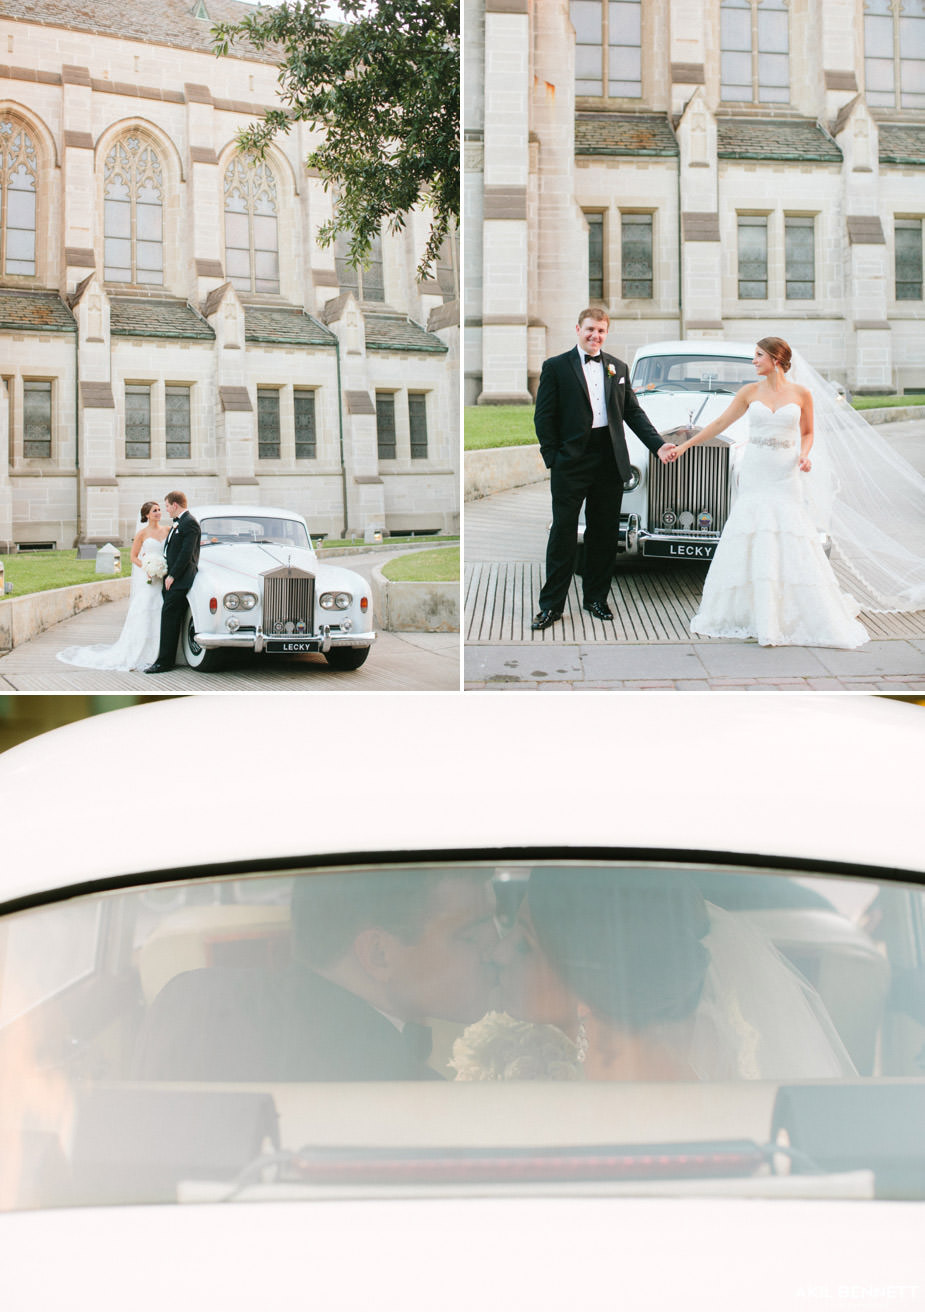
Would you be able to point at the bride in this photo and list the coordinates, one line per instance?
(652, 982)
(770, 579)
(138, 642)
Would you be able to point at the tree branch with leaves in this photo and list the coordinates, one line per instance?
(384, 88)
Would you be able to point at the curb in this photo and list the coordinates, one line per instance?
(498, 469)
(22, 618)
(414, 607)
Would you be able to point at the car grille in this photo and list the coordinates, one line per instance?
(288, 601)
(679, 493)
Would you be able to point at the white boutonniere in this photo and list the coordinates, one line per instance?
(611, 370)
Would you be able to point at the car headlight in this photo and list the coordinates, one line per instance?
(239, 600)
(631, 484)
(335, 600)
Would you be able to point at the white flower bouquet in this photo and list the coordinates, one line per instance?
(498, 1047)
(155, 567)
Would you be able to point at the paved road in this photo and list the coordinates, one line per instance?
(511, 527)
(398, 662)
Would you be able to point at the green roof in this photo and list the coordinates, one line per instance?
(396, 332)
(286, 325)
(35, 312)
(144, 317)
(624, 134)
(775, 139)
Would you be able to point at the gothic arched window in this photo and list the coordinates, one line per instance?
(133, 213)
(894, 53)
(251, 227)
(18, 170)
(755, 51)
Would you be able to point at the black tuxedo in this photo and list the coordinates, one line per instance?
(182, 553)
(587, 465)
(291, 1024)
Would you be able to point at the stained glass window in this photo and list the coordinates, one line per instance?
(608, 47)
(595, 257)
(417, 420)
(36, 420)
(907, 238)
(137, 421)
(894, 53)
(753, 258)
(268, 443)
(251, 226)
(177, 411)
(367, 283)
(133, 214)
(385, 425)
(18, 174)
(800, 255)
(305, 438)
(637, 255)
(755, 51)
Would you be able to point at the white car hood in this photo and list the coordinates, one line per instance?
(468, 1255)
(249, 560)
(667, 410)
(253, 558)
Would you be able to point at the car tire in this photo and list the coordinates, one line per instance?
(346, 658)
(196, 657)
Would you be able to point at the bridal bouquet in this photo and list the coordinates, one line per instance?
(155, 567)
(498, 1047)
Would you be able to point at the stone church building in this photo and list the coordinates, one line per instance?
(167, 316)
(702, 168)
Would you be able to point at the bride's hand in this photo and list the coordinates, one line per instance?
(805, 464)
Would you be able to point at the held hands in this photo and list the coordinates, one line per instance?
(668, 453)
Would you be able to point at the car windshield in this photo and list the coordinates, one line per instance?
(254, 528)
(691, 373)
(628, 1026)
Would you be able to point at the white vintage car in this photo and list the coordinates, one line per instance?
(678, 511)
(149, 913)
(261, 587)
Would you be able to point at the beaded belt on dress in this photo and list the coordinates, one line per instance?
(773, 441)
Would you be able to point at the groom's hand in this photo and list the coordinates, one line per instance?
(667, 453)
(167, 582)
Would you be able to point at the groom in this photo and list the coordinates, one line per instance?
(583, 401)
(182, 552)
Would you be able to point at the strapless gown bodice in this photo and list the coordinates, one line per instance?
(770, 578)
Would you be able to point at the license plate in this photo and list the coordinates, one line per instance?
(291, 644)
(678, 550)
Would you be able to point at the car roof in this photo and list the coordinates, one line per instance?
(199, 780)
(738, 350)
(275, 511)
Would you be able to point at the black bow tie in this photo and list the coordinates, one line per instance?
(592, 359)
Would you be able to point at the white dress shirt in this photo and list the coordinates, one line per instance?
(594, 377)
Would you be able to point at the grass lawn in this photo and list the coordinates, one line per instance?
(498, 425)
(881, 402)
(439, 566)
(40, 571)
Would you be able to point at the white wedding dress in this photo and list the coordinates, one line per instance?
(139, 640)
(770, 579)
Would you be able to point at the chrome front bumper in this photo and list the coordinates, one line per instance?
(291, 642)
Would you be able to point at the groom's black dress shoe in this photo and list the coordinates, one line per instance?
(157, 668)
(599, 610)
(543, 618)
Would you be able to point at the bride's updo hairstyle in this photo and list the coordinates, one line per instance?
(626, 942)
(778, 350)
(145, 509)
